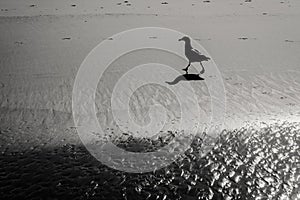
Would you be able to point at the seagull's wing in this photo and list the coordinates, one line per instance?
(195, 55)
(196, 51)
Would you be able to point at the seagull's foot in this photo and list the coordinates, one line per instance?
(185, 69)
(202, 72)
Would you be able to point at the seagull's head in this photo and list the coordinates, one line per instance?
(185, 39)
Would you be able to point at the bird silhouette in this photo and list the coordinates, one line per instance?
(193, 55)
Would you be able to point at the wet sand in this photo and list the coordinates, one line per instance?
(244, 164)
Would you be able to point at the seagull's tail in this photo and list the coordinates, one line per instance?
(205, 58)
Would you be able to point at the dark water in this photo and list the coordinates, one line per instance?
(245, 164)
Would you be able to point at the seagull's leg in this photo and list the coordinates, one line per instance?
(203, 70)
(187, 68)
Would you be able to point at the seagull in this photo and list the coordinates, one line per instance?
(193, 55)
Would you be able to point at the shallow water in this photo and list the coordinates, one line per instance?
(245, 164)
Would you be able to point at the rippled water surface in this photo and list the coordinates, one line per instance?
(245, 164)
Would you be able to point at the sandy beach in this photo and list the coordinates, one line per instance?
(255, 45)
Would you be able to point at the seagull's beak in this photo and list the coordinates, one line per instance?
(180, 39)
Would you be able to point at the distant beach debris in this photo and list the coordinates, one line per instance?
(288, 40)
(66, 38)
(19, 43)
